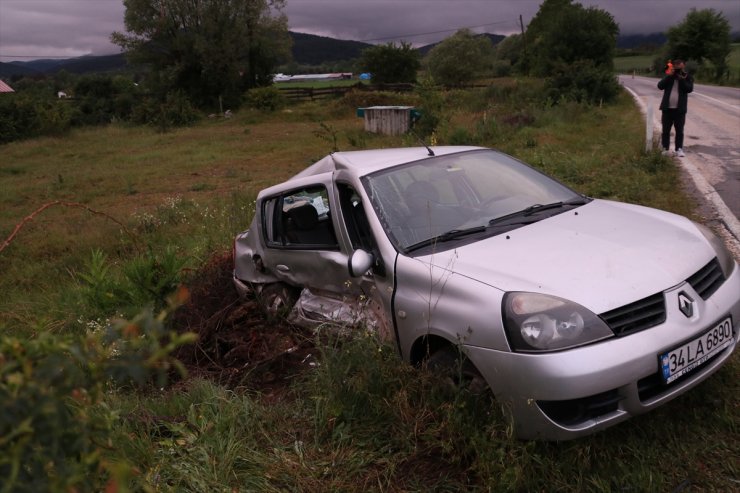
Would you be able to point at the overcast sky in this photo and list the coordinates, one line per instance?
(32, 29)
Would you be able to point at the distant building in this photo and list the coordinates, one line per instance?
(5, 87)
(311, 77)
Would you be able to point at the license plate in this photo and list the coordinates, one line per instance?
(691, 354)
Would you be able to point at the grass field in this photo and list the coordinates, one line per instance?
(360, 420)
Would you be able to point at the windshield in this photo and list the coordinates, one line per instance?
(476, 192)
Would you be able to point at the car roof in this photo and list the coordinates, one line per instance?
(365, 162)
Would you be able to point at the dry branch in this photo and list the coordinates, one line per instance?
(63, 203)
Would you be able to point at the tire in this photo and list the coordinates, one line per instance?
(457, 371)
(277, 299)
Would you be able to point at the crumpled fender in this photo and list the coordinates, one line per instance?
(247, 252)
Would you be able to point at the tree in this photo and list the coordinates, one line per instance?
(510, 48)
(209, 49)
(573, 47)
(703, 35)
(565, 33)
(461, 58)
(391, 63)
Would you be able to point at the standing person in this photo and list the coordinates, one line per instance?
(676, 86)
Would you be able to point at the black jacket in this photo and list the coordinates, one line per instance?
(685, 86)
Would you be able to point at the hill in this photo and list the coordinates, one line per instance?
(87, 64)
(309, 49)
(8, 70)
(650, 41)
(79, 65)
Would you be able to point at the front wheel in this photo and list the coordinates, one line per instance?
(457, 370)
(277, 299)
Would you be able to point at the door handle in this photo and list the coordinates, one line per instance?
(282, 268)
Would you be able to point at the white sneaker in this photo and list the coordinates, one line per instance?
(680, 153)
(667, 152)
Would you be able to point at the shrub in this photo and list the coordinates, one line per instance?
(432, 109)
(175, 111)
(27, 116)
(265, 98)
(54, 426)
(391, 63)
(152, 278)
(147, 280)
(501, 68)
(460, 136)
(583, 82)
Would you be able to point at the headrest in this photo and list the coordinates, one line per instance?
(304, 216)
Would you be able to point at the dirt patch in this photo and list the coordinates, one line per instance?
(238, 345)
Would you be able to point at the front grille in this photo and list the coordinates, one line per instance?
(707, 279)
(640, 315)
(576, 411)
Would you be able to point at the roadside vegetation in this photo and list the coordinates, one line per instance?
(266, 406)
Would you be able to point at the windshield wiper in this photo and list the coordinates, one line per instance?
(452, 234)
(536, 208)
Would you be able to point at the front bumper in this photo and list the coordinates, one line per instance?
(606, 382)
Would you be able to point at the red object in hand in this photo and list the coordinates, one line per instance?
(669, 68)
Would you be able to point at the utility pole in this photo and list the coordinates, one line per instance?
(525, 54)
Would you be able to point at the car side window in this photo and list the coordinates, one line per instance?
(300, 219)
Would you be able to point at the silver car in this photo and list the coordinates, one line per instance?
(577, 312)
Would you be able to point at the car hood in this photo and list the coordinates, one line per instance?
(602, 255)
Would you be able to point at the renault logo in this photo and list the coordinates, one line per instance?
(686, 304)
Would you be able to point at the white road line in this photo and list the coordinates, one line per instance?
(731, 106)
(703, 186)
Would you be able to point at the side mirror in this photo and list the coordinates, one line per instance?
(359, 262)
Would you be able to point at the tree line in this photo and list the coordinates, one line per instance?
(207, 55)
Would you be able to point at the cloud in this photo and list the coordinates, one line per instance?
(75, 27)
(41, 28)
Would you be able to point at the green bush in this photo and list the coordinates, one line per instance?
(460, 136)
(433, 115)
(267, 98)
(152, 278)
(175, 111)
(54, 424)
(144, 280)
(501, 68)
(26, 116)
(584, 82)
(102, 99)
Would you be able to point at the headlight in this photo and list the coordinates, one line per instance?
(538, 322)
(726, 262)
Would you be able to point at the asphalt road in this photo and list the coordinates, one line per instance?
(711, 143)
